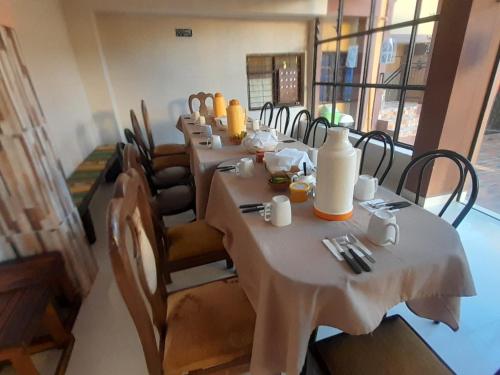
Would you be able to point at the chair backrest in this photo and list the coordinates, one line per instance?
(322, 122)
(464, 167)
(147, 126)
(139, 138)
(145, 160)
(131, 159)
(266, 108)
(279, 119)
(119, 152)
(135, 251)
(388, 143)
(296, 122)
(202, 98)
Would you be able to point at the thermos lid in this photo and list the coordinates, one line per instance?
(234, 102)
(218, 95)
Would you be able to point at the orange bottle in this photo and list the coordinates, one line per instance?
(219, 105)
(235, 122)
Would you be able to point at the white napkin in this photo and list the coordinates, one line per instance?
(284, 160)
(260, 141)
(367, 205)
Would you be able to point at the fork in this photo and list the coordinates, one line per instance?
(350, 239)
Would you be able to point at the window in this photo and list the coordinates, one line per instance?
(274, 78)
(372, 67)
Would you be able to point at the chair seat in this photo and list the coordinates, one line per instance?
(168, 177)
(209, 325)
(169, 149)
(174, 200)
(192, 239)
(178, 160)
(394, 348)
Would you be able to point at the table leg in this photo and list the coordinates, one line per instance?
(53, 324)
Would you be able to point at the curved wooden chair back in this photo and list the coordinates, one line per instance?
(147, 126)
(296, 123)
(202, 99)
(266, 109)
(131, 159)
(464, 167)
(388, 143)
(322, 122)
(279, 119)
(139, 137)
(145, 161)
(135, 253)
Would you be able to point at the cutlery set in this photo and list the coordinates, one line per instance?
(350, 254)
(390, 206)
(251, 207)
(226, 168)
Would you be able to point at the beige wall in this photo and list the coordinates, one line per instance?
(145, 60)
(42, 33)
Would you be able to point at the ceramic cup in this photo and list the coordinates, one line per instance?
(365, 188)
(245, 167)
(382, 228)
(208, 130)
(256, 125)
(299, 192)
(202, 120)
(279, 211)
(195, 115)
(313, 155)
(216, 141)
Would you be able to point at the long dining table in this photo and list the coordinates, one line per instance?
(295, 284)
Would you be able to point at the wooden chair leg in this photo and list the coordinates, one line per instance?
(22, 363)
(56, 329)
(88, 226)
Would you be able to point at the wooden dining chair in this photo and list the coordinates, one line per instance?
(164, 149)
(202, 98)
(322, 122)
(394, 348)
(278, 123)
(388, 144)
(170, 201)
(188, 245)
(464, 168)
(297, 121)
(266, 109)
(197, 330)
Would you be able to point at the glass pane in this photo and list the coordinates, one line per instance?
(260, 89)
(351, 25)
(259, 64)
(421, 59)
(392, 12)
(380, 110)
(429, 8)
(327, 28)
(347, 105)
(411, 116)
(326, 60)
(324, 97)
(388, 56)
(351, 59)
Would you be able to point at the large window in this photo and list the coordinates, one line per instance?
(371, 63)
(274, 78)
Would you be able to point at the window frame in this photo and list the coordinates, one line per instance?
(274, 74)
(403, 86)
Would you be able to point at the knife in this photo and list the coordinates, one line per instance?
(250, 205)
(360, 260)
(252, 209)
(351, 262)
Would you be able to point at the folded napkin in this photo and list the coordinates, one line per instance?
(260, 141)
(284, 160)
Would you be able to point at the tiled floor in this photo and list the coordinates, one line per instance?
(107, 343)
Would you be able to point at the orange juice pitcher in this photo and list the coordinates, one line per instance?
(219, 105)
(235, 122)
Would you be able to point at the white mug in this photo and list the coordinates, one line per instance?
(202, 120)
(208, 130)
(365, 188)
(279, 211)
(256, 125)
(195, 115)
(216, 141)
(313, 155)
(381, 224)
(244, 167)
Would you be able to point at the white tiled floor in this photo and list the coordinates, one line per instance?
(107, 343)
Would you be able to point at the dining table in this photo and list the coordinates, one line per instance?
(296, 285)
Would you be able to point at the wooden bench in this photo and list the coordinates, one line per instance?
(101, 164)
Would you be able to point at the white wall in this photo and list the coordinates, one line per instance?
(41, 29)
(145, 60)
